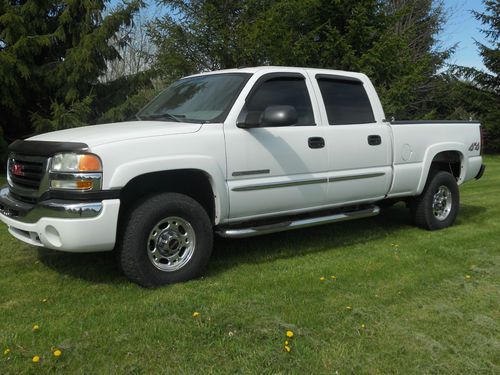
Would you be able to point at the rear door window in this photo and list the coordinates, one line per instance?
(346, 101)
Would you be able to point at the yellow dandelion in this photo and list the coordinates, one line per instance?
(333, 277)
(321, 278)
(288, 349)
(35, 328)
(35, 359)
(348, 307)
(286, 342)
(6, 351)
(289, 334)
(196, 314)
(57, 353)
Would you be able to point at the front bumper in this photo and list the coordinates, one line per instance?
(62, 224)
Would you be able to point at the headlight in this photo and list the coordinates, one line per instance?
(76, 163)
(75, 172)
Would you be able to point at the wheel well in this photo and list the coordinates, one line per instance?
(448, 161)
(191, 182)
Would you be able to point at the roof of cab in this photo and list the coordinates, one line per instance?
(256, 69)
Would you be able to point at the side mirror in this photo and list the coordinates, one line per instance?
(252, 120)
(279, 115)
(274, 115)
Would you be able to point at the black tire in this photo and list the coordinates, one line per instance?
(431, 213)
(183, 219)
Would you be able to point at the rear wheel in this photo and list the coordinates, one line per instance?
(437, 206)
(166, 239)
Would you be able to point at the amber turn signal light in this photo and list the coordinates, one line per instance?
(89, 163)
(84, 184)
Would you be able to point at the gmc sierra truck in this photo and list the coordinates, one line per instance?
(239, 153)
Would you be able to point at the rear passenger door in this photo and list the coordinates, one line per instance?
(359, 148)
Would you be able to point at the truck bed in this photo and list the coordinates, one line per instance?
(412, 155)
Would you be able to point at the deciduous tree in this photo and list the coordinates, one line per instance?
(393, 41)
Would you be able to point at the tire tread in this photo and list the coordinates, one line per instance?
(421, 207)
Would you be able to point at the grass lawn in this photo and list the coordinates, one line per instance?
(404, 301)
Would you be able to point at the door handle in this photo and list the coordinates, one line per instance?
(374, 140)
(316, 142)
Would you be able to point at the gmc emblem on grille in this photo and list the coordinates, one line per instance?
(16, 169)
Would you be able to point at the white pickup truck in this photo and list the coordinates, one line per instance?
(240, 153)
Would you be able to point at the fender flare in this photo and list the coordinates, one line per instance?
(431, 153)
(126, 172)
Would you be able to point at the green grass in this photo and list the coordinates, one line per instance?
(406, 285)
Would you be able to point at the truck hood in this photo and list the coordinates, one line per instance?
(120, 131)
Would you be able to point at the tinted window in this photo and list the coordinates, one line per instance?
(283, 91)
(346, 102)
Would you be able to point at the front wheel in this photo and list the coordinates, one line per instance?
(437, 206)
(166, 239)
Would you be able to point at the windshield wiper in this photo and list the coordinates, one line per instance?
(157, 116)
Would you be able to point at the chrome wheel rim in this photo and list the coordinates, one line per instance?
(442, 201)
(171, 244)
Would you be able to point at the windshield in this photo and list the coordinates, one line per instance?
(204, 99)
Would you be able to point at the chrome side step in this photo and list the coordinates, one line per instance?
(228, 232)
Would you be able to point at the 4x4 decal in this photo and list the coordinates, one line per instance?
(475, 146)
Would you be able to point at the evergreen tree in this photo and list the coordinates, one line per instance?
(478, 91)
(52, 53)
(489, 81)
(490, 54)
(410, 67)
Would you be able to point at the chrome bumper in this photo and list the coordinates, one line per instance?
(52, 208)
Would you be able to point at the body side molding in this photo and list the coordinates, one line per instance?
(272, 185)
(249, 173)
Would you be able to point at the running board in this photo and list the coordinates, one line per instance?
(296, 224)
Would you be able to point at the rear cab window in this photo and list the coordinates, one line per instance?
(346, 101)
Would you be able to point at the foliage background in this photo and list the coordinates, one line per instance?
(76, 62)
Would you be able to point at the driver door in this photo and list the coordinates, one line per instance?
(276, 170)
